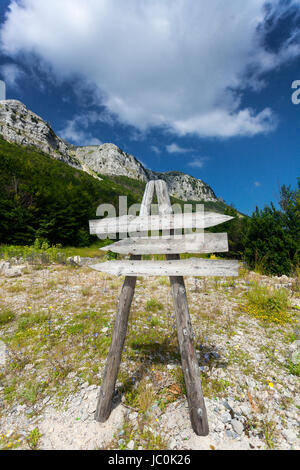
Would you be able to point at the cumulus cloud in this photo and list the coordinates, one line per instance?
(155, 149)
(175, 148)
(198, 162)
(11, 74)
(178, 64)
(76, 131)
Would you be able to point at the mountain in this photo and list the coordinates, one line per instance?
(21, 126)
(108, 159)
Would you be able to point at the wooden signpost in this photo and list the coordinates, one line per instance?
(175, 268)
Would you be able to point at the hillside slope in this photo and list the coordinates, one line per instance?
(42, 197)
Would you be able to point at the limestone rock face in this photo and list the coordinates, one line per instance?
(109, 159)
(21, 126)
(187, 188)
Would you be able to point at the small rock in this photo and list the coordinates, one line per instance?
(290, 435)
(237, 426)
(133, 416)
(84, 416)
(225, 418)
(12, 272)
(2, 353)
(130, 445)
(173, 444)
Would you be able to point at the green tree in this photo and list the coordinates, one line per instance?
(272, 238)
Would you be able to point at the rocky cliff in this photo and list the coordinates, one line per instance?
(21, 126)
(186, 187)
(109, 159)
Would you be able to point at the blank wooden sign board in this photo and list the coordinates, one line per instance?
(175, 268)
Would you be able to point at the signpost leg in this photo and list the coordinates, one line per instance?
(104, 405)
(190, 367)
(115, 352)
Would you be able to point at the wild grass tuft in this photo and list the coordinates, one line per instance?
(6, 316)
(267, 304)
(153, 305)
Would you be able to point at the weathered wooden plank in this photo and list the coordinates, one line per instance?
(132, 224)
(191, 243)
(104, 404)
(188, 267)
(185, 335)
(147, 199)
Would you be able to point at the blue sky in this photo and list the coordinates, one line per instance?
(194, 86)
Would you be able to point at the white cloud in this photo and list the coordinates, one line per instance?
(179, 64)
(11, 74)
(198, 162)
(175, 148)
(76, 133)
(257, 184)
(155, 149)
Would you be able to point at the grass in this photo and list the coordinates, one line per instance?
(269, 432)
(141, 397)
(144, 435)
(213, 388)
(28, 320)
(34, 438)
(16, 288)
(267, 304)
(10, 443)
(55, 347)
(6, 316)
(92, 251)
(42, 253)
(29, 393)
(294, 369)
(153, 305)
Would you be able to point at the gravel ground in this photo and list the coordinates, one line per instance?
(251, 396)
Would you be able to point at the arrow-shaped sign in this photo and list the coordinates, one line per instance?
(134, 224)
(191, 243)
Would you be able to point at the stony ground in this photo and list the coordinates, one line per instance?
(55, 327)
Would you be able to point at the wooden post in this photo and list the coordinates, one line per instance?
(104, 405)
(190, 367)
